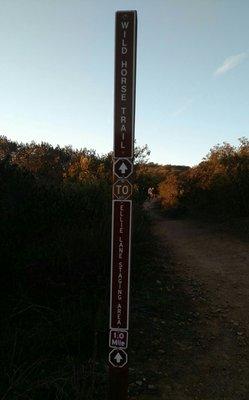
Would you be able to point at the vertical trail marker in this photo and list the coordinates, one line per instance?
(124, 117)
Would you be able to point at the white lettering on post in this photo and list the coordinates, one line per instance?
(123, 84)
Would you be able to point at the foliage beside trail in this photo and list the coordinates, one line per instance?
(218, 186)
(149, 174)
(55, 207)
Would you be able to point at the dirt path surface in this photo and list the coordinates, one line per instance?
(214, 258)
(209, 352)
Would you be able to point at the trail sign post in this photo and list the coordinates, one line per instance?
(118, 358)
(122, 189)
(123, 167)
(124, 115)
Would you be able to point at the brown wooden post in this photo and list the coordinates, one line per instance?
(124, 116)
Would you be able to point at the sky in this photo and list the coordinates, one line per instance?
(192, 90)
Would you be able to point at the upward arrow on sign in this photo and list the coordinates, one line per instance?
(123, 168)
(118, 358)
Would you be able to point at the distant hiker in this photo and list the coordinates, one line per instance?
(151, 193)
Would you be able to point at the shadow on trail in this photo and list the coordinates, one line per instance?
(186, 347)
(163, 325)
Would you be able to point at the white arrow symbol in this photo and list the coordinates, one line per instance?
(118, 358)
(123, 168)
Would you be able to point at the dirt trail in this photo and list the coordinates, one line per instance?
(214, 258)
(214, 268)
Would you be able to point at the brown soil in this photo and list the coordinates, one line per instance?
(216, 259)
(214, 362)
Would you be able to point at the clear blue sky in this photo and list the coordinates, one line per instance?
(56, 74)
